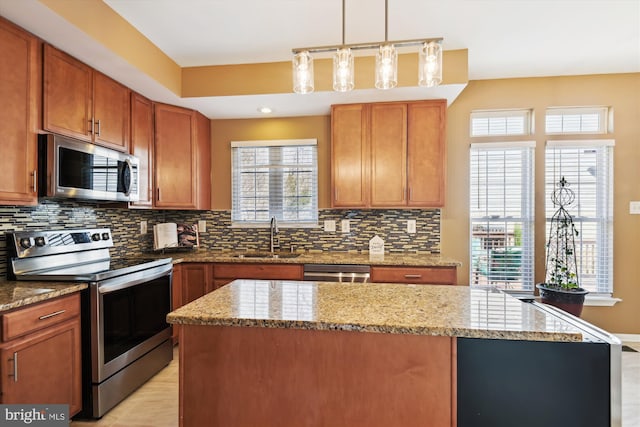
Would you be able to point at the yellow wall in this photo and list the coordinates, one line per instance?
(225, 131)
(99, 21)
(618, 91)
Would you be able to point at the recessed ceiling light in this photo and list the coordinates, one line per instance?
(265, 110)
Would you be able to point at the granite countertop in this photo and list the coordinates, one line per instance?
(15, 294)
(392, 259)
(458, 311)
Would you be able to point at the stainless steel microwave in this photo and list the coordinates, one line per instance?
(69, 168)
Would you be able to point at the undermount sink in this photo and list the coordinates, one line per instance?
(267, 255)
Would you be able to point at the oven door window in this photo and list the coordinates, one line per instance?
(134, 314)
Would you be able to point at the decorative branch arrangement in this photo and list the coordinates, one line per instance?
(561, 265)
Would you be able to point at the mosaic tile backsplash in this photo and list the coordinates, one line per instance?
(389, 224)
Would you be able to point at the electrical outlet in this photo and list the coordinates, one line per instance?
(143, 227)
(345, 227)
(634, 208)
(411, 226)
(329, 225)
(202, 226)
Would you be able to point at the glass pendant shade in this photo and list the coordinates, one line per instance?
(430, 64)
(343, 70)
(302, 72)
(386, 67)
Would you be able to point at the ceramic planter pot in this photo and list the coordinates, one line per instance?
(570, 301)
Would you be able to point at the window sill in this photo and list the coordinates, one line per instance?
(600, 301)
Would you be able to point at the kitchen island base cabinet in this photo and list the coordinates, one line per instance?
(232, 377)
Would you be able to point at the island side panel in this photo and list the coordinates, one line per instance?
(504, 383)
(236, 376)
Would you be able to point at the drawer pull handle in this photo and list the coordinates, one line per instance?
(413, 276)
(15, 367)
(47, 316)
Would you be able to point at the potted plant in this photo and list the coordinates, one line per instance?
(561, 287)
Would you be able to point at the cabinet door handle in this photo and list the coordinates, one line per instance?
(99, 127)
(35, 180)
(158, 194)
(15, 367)
(47, 316)
(92, 127)
(413, 276)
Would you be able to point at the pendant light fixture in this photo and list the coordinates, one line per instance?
(430, 64)
(386, 65)
(386, 58)
(302, 72)
(343, 64)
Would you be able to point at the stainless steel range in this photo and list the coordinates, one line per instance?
(126, 338)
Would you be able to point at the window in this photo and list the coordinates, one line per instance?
(500, 123)
(579, 120)
(274, 179)
(588, 168)
(501, 211)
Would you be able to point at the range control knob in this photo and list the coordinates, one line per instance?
(105, 236)
(25, 243)
(39, 241)
(95, 237)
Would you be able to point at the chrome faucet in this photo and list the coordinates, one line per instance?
(274, 241)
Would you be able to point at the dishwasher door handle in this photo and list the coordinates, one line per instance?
(337, 277)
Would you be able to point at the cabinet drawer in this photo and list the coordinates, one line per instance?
(425, 275)
(32, 318)
(258, 271)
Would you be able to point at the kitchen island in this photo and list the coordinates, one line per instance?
(290, 353)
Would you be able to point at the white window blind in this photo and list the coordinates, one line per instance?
(274, 179)
(578, 120)
(501, 215)
(588, 168)
(500, 123)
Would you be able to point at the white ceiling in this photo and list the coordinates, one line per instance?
(504, 38)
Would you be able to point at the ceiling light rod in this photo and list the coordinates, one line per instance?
(369, 45)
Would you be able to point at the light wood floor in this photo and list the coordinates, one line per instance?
(155, 404)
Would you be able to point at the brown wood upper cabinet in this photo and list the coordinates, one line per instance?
(182, 159)
(83, 103)
(142, 147)
(19, 110)
(349, 156)
(388, 155)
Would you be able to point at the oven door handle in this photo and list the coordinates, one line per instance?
(128, 280)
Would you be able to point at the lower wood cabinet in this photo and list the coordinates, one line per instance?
(176, 298)
(417, 275)
(227, 272)
(41, 354)
(197, 280)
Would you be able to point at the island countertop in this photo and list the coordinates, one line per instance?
(456, 311)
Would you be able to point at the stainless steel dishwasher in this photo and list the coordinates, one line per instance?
(345, 273)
